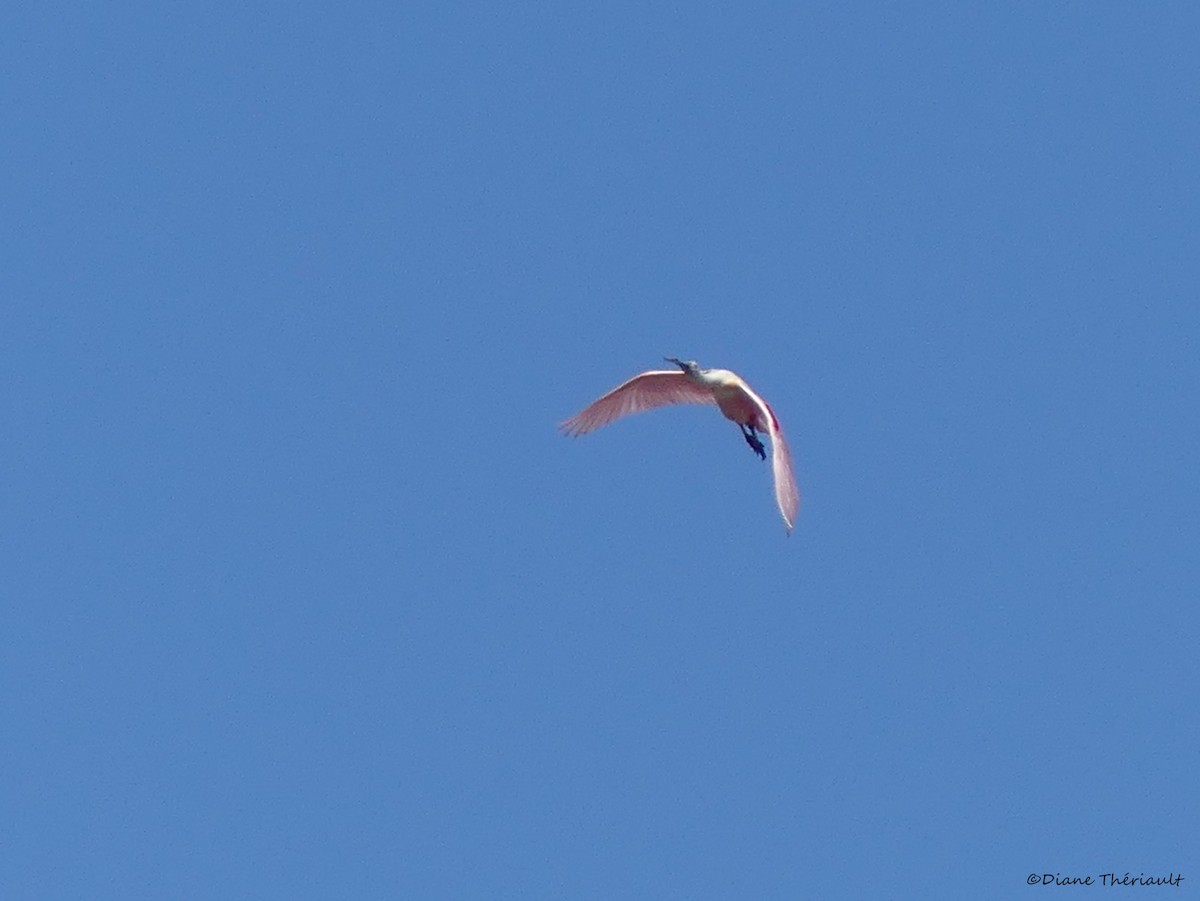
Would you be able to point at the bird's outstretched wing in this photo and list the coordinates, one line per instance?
(642, 392)
(787, 493)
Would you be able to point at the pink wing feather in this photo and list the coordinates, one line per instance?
(787, 493)
(642, 392)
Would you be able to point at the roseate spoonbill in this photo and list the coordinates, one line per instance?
(693, 385)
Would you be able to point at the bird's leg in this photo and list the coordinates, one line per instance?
(752, 439)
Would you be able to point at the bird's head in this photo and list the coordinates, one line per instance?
(686, 365)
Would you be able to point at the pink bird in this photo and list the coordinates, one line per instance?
(693, 385)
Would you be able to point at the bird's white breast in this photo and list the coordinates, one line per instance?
(721, 378)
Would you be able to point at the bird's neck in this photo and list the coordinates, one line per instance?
(707, 377)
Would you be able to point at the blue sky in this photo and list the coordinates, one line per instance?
(305, 597)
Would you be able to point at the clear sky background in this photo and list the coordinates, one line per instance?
(303, 595)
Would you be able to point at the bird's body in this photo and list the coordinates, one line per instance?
(693, 385)
(735, 398)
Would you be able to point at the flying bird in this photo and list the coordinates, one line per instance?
(693, 385)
